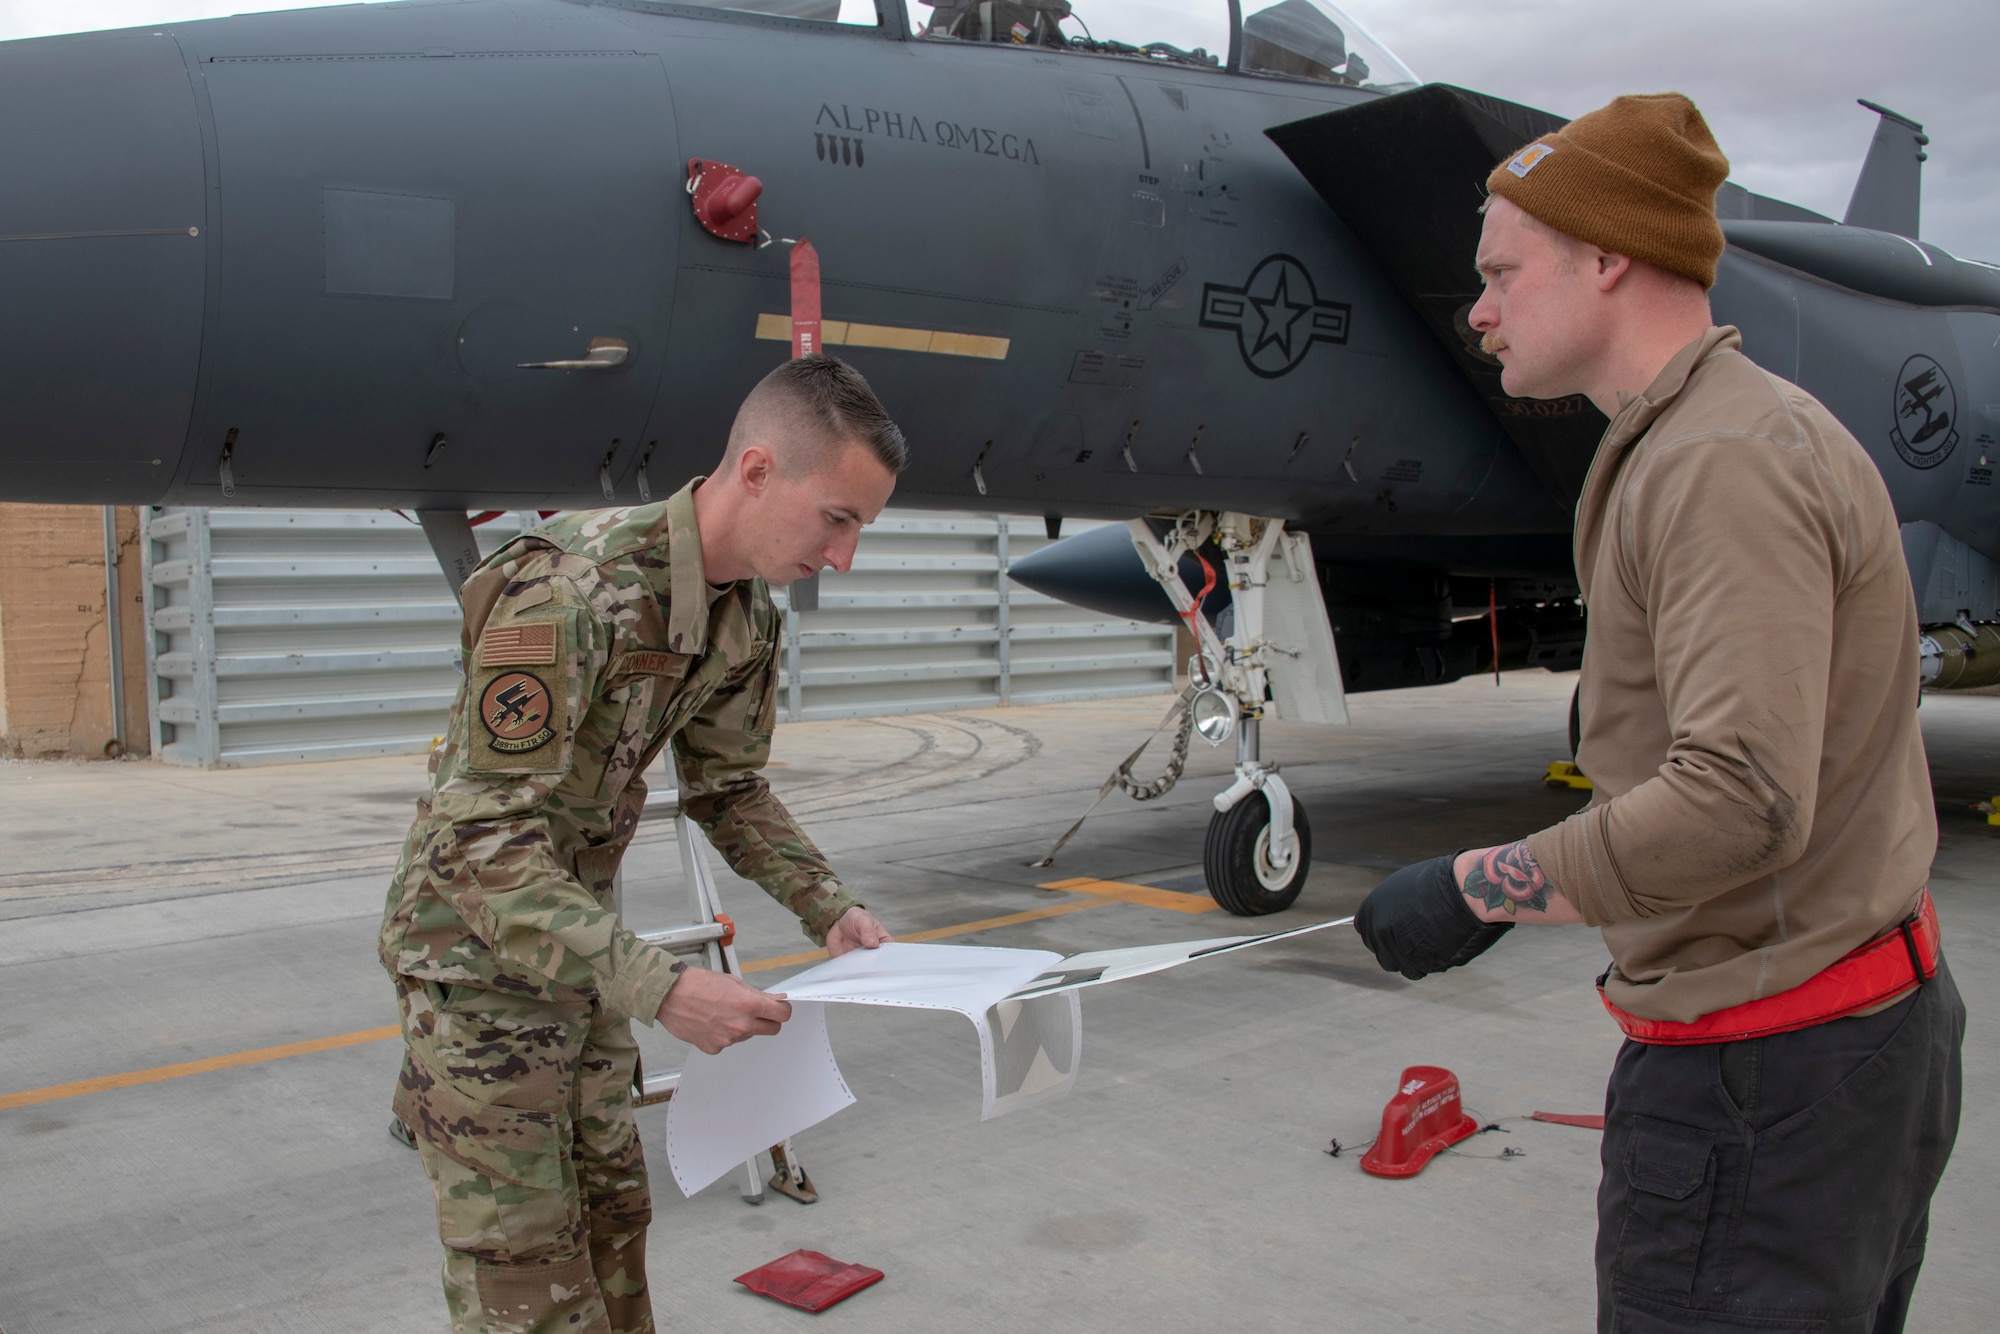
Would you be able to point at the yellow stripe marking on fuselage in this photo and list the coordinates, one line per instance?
(846, 333)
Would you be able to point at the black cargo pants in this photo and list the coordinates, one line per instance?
(1782, 1184)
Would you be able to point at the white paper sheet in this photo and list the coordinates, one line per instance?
(761, 1092)
(1022, 1003)
(965, 978)
(748, 1097)
(1028, 1048)
(1100, 966)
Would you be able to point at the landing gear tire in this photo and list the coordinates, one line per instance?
(1237, 859)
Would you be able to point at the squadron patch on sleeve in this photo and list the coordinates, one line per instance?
(517, 713)
(518, 699)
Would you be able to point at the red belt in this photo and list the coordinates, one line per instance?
(1879, 971)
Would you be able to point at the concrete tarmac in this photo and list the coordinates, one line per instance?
(156, 917)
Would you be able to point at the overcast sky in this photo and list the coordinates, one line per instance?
(1776, 78)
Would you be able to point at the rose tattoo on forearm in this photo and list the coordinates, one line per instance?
(1509, 879)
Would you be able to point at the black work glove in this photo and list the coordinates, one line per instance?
(1418, 922)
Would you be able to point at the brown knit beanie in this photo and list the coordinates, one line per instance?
(1636, 177)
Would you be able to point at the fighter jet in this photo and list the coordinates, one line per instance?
(1201, 268)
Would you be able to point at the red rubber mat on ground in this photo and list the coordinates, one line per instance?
(808, 1280)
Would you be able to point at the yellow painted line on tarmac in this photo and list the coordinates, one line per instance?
(57, 1092)
(1143, 895)
(159, 1073)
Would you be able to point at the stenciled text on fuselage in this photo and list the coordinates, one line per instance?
(943, 132)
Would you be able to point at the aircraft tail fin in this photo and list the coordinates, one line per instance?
(1406, 174)
(1888, 191)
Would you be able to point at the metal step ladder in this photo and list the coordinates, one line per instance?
(710, 940)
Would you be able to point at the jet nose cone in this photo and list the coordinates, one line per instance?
(102, 215)
(1100, 572)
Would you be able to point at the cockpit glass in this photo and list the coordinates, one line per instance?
(1310, 39)
(1176, 32)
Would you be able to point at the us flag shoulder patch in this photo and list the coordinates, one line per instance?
(529, 645)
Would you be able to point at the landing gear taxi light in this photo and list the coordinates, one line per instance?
(1214, 716)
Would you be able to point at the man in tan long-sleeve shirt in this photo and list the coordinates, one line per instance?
(1760, 835)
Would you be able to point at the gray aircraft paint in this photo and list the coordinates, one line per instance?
(1852, 354)
(1087, 209)
(320, 242)
(105, 260)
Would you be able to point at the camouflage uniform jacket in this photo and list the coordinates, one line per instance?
(590, 643)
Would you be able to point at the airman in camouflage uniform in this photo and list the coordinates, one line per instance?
(591, 643)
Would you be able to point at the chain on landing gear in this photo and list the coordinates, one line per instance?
(1259, 846)
(1176, 762)
(1121, 777)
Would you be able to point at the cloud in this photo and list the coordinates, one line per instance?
(45, 18)
(1777, 80)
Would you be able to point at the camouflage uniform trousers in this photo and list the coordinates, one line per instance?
(522, 1111)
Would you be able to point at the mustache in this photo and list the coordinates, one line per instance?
(1490, 344)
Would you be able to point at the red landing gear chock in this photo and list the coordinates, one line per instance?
(1423, 1119)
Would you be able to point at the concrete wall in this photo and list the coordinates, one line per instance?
(55, 683)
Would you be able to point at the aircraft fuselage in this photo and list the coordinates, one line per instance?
(300, 259)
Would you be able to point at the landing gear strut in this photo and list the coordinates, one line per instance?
(1278, 657)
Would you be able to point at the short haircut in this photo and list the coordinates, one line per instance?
(806, 407)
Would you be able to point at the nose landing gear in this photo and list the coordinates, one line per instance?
(1278, 657)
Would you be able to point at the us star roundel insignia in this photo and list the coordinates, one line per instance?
(1276, 316)
(515, 710)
